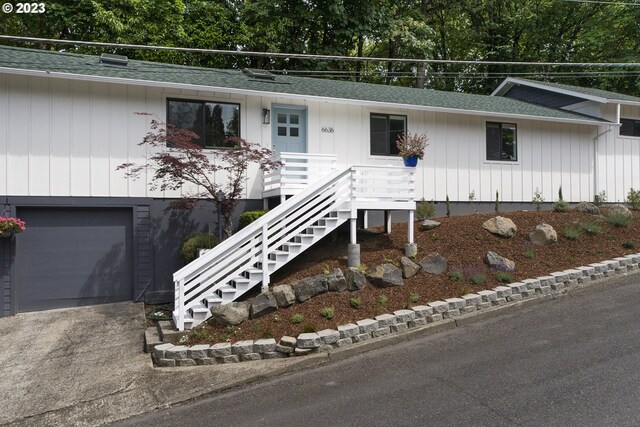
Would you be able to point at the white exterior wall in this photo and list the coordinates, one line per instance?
(65, 138)
(618, 167)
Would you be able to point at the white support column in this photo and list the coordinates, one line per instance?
(410, 231)
(265, 258)
(265, 203)
(366, 220)
(179, 306)
(352, 231)
(387, 220)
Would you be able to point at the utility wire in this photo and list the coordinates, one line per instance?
(311, 56)
(612, 3)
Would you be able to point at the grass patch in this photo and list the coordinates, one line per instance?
(355, 303)
(297, 318)
(572, 232)
(628, 244)
(383, 300)
(504, 277)
(561, 206)
(590, 227)
(327, 312)
(309, 328)
(529, 253)
(414, 297)
(456, 276)
(478, 279)
(618, 220)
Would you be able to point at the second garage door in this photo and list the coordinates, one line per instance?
(73, 257)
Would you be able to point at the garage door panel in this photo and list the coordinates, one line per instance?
(72, 257)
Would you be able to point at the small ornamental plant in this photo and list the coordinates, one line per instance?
(10, 226)
(412, 144)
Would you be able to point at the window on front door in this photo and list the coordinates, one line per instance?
(385, 130)
(502, 142)
(213, 122)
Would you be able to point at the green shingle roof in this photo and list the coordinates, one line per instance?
(608, 95)
(41, 60)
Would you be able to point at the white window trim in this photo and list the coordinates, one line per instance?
(484, 145)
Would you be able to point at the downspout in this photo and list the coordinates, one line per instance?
(595, 158)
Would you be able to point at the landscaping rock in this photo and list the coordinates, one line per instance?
(619, 210)
(310, 287)
(263, 304)
(287, 341)
(349, 330)
(428, 224)
(329, 336)
(220, 350)
(231, 314)
(543, 234)
(308, 341)
(284, 295)
(501, 226)
(587, 207)
(355, 279)
(267, 345)
(385, 276)
(498, 262)
(336, 282)
(409, 268)
(434, 263)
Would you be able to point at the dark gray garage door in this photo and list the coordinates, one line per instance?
(73, 257)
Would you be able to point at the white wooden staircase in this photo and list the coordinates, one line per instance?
(249, 257)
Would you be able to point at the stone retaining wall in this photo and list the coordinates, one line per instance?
(392, 323)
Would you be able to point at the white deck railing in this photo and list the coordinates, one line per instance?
(298, 171)
(250, 256)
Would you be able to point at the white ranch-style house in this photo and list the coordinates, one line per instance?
(67, 121)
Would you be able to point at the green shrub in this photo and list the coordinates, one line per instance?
(628, 244)
(560, 193)
(572, 232)
(465, 290)
(618, 220)
(248, 217)
(414, 297)
(497, 206)
(309, 328)
(355, 303)
(472, 200)
(590, 227)
(600, 198)
(456, 276)
(448, 206)
(633, 198)
(537, 199)
(297, 318)
(504, 277)
(561, 206)
(425, 210)
(383, 300)
(327, 312)
(189, 250)
(478, 279)
(529, 253)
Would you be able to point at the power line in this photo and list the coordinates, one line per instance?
(612, 3)
(317, 57)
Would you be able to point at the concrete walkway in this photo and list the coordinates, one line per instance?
(85, 366)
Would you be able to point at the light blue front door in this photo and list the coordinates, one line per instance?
(289, 129)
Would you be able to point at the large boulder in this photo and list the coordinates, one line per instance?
(620, 210)
(355, 279)
(409, 268)
(587, 207)
(501, 226)
(434, 263)
(499, 263)
(336, 282)
(543, 234)
(284, 295)
(310, 287)
(231, 314)
(428, 224)
(385, 276)
(263, 304)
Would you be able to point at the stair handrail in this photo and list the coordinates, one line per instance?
(257, 225)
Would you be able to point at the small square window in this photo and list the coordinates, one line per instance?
(282, 118)
(293, 132)
(384, 132)
(502, 142)
(282, 131)
(293, 119)
(630, 127)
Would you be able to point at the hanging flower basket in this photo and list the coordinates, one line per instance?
(10, 226)
(411, 147)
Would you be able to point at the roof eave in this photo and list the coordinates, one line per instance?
(154, 83)
(510, 81)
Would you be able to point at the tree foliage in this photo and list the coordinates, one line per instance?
(175, 161)
(497, 30)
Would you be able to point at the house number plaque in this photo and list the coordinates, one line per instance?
(327, 129)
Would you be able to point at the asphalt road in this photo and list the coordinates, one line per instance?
(570, 361)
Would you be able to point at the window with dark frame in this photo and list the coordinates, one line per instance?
(630, 127)
(213, 122)
(502, 142)
(385, 130)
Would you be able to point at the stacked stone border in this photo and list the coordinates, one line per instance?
(168, 355)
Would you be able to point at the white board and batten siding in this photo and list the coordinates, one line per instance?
(65, 138)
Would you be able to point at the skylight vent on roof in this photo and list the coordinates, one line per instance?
(111, 59)
(258, 74)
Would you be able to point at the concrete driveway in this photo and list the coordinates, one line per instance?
(86, 366)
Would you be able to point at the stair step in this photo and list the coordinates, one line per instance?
(283, 255)
(213, 300)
